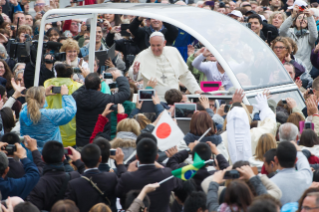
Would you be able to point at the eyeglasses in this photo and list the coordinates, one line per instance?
(306, 208)
(280, 47)
(39, 4)
(18, 12)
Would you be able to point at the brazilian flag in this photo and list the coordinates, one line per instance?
(189, 171)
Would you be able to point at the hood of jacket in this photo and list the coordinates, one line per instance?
(190, 137)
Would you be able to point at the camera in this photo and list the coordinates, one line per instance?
(112, 151)
(308, 125)
(56, 89)
(10, 148)
(113, 85)
(12, 27)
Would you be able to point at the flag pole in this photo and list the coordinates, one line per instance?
(207, 131)
(168, 178)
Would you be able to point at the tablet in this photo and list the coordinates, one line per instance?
(184, 111)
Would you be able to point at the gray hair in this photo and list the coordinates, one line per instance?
(4, 162)
(288, 132)
(3, 50)
(16, 66)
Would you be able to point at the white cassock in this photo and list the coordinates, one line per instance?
(168, 69)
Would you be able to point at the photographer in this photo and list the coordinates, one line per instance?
(22, 31)
(91, 102)
(22, 186)
(64, 77)
(46, 72)
(43, 124)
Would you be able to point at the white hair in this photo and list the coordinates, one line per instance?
(288, 132)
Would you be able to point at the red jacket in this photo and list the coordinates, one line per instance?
(313, 160)
(88, 2)
(101, 122)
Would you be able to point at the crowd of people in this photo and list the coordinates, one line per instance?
(82, 140)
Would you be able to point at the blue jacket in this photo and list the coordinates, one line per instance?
(21, 186)
(47, 129)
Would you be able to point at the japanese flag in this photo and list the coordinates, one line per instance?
(167, 132)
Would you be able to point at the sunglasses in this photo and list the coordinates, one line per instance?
(39, 4)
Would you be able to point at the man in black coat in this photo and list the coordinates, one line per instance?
(142, 35)
(81, 190)
(204, 151)
(53, 183)
(148, 173)
(16, 167)
(91, 102)
(45, 73)
(261, 28)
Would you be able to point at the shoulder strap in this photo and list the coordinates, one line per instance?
(63, 187)
(97, 189)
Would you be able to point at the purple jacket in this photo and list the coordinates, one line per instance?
(314, 58)
(299, 69)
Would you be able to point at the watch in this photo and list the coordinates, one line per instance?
(188, 150)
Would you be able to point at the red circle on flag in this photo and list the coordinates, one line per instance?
(163, 130)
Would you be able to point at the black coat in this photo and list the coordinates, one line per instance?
(142, 35)
(91, 103)
(85, 196)
(176, 162)
(146, 175)
(29, 73)
(44, 194)
(16, 169)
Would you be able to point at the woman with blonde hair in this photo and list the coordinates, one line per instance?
(295, 118)
(277, 18)
(71, 49)
(126, 134)
(266, 142)
(43, 124)
(142, 120)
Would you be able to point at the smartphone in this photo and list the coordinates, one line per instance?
(56, 89)
(125, 27)
(184, 111)
(113, 85)
(113, 107)
(77, 70)
(310, 91)
(284, 101)
(24, 91)
(112, 151)
(146, 95)
(307, 125)
(231, 174)
(107, 76)
(226, 108)
(67, 151)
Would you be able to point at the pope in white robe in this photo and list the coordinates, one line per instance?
(165, 64)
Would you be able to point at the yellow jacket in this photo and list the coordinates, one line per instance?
(55, 102)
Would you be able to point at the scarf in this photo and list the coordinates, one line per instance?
(299, 33)
(126, 135)
(53, 167)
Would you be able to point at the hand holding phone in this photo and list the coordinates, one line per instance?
(67, 151)
(56, 89)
